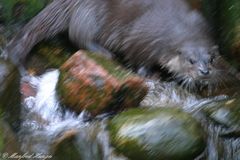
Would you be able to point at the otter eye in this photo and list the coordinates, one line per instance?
(211, 60)
(191, 61)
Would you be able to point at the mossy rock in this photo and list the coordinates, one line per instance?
(79, 144)
(64, 147)
(10, 98)
(225, 113)
(114, 68)
(159, 134)
(8, 139)
(49, 54)
(90, 81)
(132, 89)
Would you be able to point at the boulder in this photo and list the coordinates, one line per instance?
(79, 144)
(64, 148)
(227, 115)
(8, 140)
(10, 98)
(159, 134)
(49, 54)
(92, 82)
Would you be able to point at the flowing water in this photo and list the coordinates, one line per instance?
(44, 120)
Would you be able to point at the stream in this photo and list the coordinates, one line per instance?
(44, 120)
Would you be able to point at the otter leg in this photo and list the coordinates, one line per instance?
(85, 25)
(144, 71)
(95, 47)
(49, 22)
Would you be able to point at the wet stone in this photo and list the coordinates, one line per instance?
(63, 147)
(159, 134)
(77, 144)
(227, 115)
(9, 93)
(27, 90)
(89, 81)
(8, 139)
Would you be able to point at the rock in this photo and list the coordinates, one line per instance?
(88, 143)
(159, 134)
(27, 90)
(77, 144)
(48, 54)
(10, 99)
(8, 139)
(89, 81)
(64, 148)
(227, 115)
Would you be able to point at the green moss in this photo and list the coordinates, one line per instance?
(7, 8)
(9, 95)
(226, 113)
(91, 92)
(55, 52)
(159, 134)
(1, 137)
(111, 66)
(67, 150)
(21, 10)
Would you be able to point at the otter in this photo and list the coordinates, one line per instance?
(164, 33)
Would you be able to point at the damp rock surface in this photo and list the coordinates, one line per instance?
(8, 139)
(227, 115)
(9, 93)
(159, 134)
(89, 81)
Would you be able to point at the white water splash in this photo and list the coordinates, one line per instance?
(169, 94)
(46, 103)
(43, 116)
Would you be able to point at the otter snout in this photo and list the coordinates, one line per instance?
(203, 70)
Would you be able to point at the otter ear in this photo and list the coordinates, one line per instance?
(214, 50)
(214, 54)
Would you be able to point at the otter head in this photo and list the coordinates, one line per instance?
(192, 64)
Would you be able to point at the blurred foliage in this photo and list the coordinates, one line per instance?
(1, 137)
(224, 15)
(21, 10)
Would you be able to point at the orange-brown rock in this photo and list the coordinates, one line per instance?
(89, 81)
(27, 90)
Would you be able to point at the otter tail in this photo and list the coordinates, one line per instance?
(50, 21)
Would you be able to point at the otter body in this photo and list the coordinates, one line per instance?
(167, 33)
